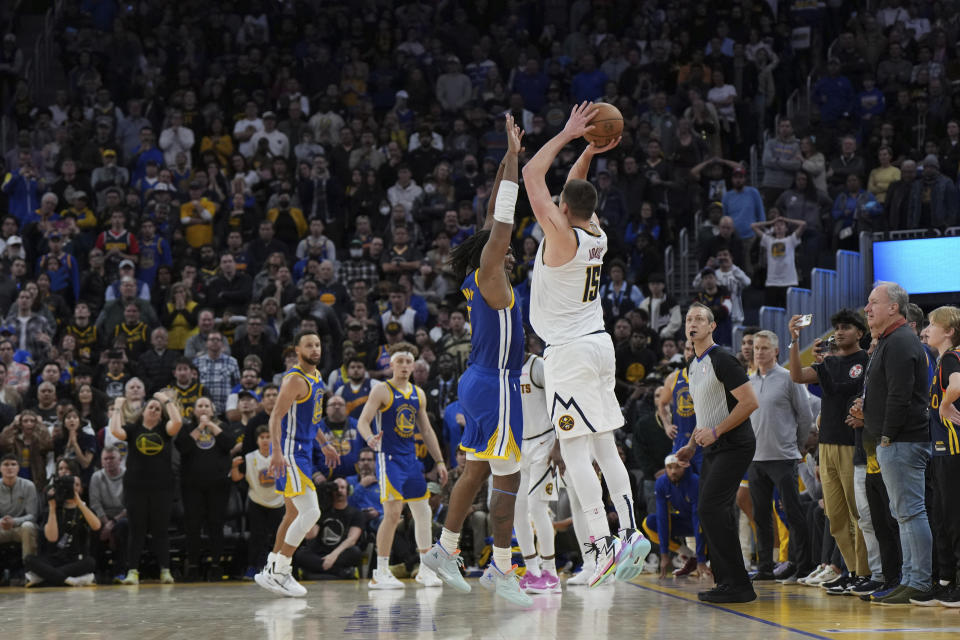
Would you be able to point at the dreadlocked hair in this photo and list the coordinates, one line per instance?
(465, 257)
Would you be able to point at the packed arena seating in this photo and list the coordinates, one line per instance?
(187, 185)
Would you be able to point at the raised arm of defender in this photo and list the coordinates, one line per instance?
(492, 277)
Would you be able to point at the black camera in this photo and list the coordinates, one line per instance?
(830, 344)
(63, 489)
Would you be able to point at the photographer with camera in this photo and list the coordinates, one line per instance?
(148, 481)
(330, 546)
(839, 371)
(68, 531)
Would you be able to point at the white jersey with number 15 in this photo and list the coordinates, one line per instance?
(565, 300)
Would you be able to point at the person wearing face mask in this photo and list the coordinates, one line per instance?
(468, 179)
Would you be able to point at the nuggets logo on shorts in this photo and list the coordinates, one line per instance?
(406, 420)
(566, 422)
(549, 488)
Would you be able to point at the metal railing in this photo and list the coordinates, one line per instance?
(793, 104)
(669, 269)
(43, 52)
(826, 296)
(910, 234)
(850, 280)
(776, 319)
(683, 243)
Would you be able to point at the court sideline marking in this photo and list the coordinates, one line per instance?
(809, 634)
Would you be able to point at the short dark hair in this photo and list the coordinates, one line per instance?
(261, 429)
(183, 360)
(303, 334)
(581, 198)
(749, 331)
(720, 246)
(620, 264)
(10, 456)
(848, 316)
(356, 359)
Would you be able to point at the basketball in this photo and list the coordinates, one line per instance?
(607, 125)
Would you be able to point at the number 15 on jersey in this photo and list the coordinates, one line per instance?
(592, 283)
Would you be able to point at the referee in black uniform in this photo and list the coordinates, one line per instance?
(724, 400)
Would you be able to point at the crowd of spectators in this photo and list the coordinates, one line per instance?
(207, 179)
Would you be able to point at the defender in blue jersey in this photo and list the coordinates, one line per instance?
(489, 389)
(676, 411)
(293, 431)
(676, 518)
(398, 408)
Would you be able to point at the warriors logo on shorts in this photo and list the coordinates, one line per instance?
(566, 422)
(549, 488)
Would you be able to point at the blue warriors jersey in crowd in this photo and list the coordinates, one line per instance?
(489, 389)
(399, 472)
(497, 334)
(684, 418)
(355, 398)
(298, 431)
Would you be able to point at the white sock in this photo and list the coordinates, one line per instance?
(449, 540)
(597, 525)
(501, 559)
(533, 565)
(281, 563)
(686, 551)
(271, 557)
(383, 563)
(548, 566)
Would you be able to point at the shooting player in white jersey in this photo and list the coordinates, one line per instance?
(579, 362)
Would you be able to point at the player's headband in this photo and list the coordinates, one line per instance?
(401, 353)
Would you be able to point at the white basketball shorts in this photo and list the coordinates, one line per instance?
(580, 382)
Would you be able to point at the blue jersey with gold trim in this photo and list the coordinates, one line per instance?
(683, 410)
(398, 421)
(943, 433)
(304, 415)
(355, 398)
(497, 334)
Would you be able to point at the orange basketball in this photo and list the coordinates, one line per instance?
(607, 125)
